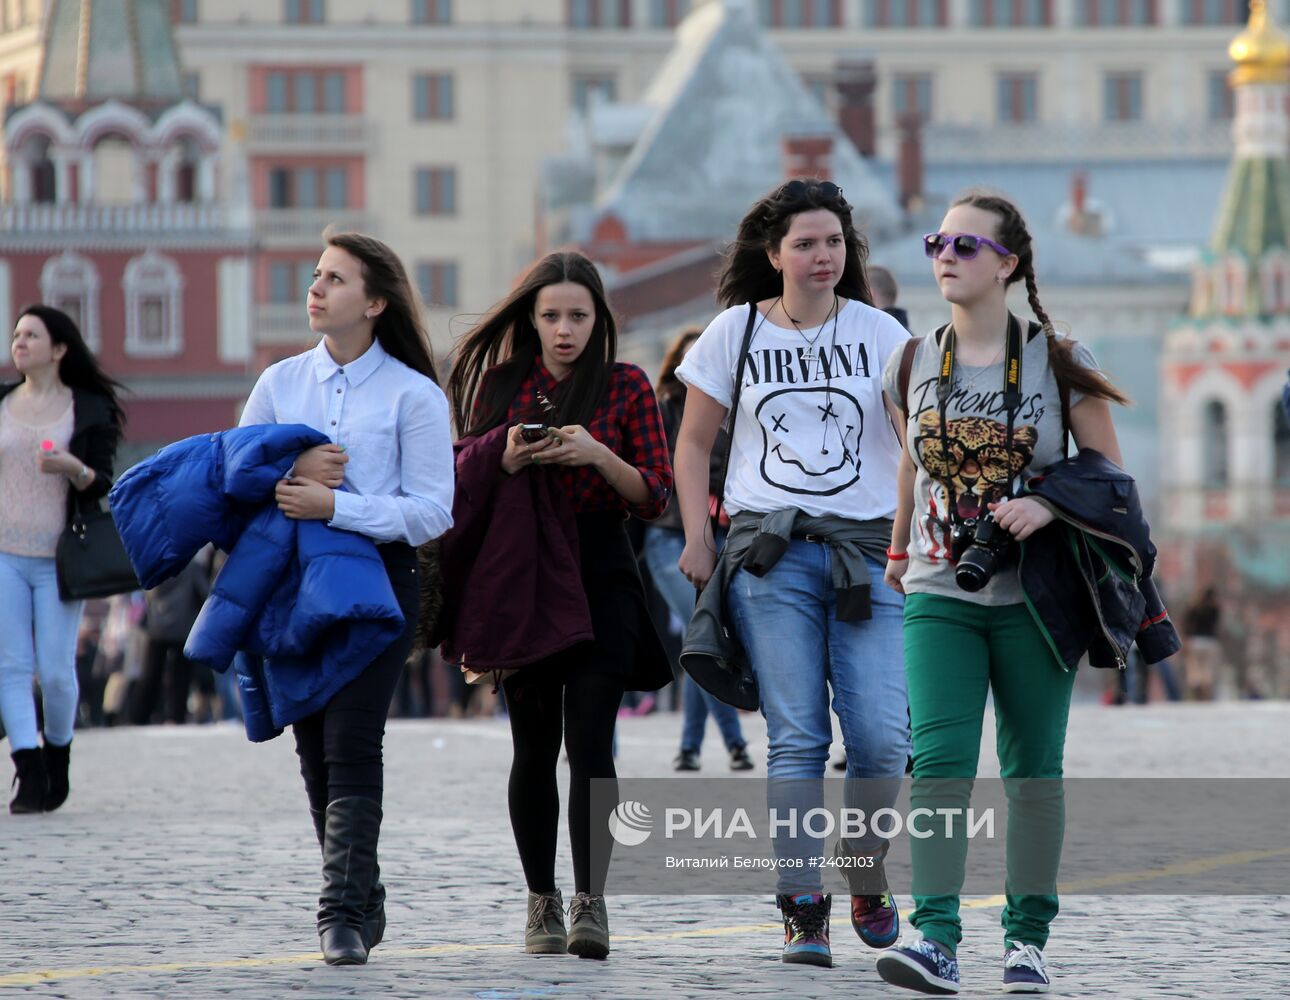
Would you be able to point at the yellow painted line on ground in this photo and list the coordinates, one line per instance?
(1198, 866)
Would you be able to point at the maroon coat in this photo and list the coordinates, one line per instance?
(513, 552)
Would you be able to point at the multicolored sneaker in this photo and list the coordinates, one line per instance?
(806, 929)
(876, 919)
(1024, 969)
(917, 964)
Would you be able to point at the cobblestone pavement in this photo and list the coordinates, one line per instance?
(183, 866)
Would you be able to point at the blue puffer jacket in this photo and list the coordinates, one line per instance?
(308, 607)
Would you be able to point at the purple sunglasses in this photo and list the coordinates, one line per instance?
(966, 245)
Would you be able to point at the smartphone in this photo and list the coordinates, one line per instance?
(533, 433)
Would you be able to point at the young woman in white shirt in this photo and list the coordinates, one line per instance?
(812, 444)
(370, 385)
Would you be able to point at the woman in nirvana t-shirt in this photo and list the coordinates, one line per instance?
(812, 448)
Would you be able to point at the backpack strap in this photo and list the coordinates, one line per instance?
(734, 404)
(906, 369)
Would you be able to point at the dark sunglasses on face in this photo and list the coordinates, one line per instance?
(801, 189)
(965, 245)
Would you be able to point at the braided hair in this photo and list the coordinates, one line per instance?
(1013, 234)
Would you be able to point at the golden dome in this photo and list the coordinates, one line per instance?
(1261, 52)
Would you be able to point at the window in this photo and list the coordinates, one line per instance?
(588, 87)
(436, 191)
(1115, 13)
(1010, 13)
(275, 93)
(912, 94)
(336, 187)
(70, 282)
(308, 187)
(801, 13)
(1222, 102)
(305, 12)
(333, 93)
(280, 188)
(431, 11)
(289, 281)
(1214, 445)
(153, 287)
(906, 13)
(1215, 11)
(183, 11)
(305, 92)
(433, 97)
(437, 283)
(1122, 97)
(1281, 447)
(667, 13)
(1018, 97)
(599, 13)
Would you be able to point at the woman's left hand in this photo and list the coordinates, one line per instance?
(1022, 516)
(59, 463)
(305, 500)
(574, 445)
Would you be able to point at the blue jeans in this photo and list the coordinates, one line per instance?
(787, 623)
(662, 551)
(37, 639)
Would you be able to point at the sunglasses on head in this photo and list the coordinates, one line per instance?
(965, 245)
(801, 189)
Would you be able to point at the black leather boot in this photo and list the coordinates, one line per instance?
(57, 762)
(352, 829)
(374, 913)
(30, 782)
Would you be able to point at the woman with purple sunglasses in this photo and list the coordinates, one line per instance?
(979, 405)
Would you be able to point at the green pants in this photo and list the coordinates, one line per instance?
(955, 651)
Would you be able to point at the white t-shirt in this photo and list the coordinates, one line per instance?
(811, 432)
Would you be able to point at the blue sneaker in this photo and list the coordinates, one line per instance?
(917, 964)
(1024, 970)
(806, 929)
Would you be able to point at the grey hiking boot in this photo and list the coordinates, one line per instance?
(544, 934)
(588, 926)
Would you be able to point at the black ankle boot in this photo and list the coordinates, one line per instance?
(31, 784)
(57, 762)
(374, 912)
(352, 829)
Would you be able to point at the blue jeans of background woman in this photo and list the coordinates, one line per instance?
(37, 639)
(662, 551)
(787, 622)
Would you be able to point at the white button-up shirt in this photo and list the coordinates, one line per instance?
(393, 423)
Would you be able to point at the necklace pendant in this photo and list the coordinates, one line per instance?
(809, 355)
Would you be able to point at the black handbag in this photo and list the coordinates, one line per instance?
(90, 560)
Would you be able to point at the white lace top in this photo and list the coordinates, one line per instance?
(33, 504)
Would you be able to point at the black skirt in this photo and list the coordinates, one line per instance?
(626, 644)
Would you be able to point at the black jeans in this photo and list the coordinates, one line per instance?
(340, 746)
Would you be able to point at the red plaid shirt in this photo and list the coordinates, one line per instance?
(627, 421)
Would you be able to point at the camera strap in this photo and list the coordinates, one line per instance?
(1011, 398)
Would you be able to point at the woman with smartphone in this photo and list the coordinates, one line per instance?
(811, 490)
(541, 399)
(370, 386)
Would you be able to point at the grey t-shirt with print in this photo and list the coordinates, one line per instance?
(977, 428)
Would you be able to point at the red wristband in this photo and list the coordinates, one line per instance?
(897, 556)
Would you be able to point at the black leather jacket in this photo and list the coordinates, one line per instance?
(1087, 576)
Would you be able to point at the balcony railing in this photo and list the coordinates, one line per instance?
(54, 218)
(299, 133)
(282, 323)
(305, 225)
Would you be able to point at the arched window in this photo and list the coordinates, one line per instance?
(154, 288)
(1280, 447)
(186, 171)
(44, 186)
(70, 282)
(1214, 445)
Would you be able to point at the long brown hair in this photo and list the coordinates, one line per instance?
(78, 368)
(748, 276)
(398, 328)
(668, 384)
(1014, 235)
(505, 345)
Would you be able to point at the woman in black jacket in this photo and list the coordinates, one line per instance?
(59, 429)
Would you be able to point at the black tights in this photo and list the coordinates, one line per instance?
(340, 746)
(538, 706)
